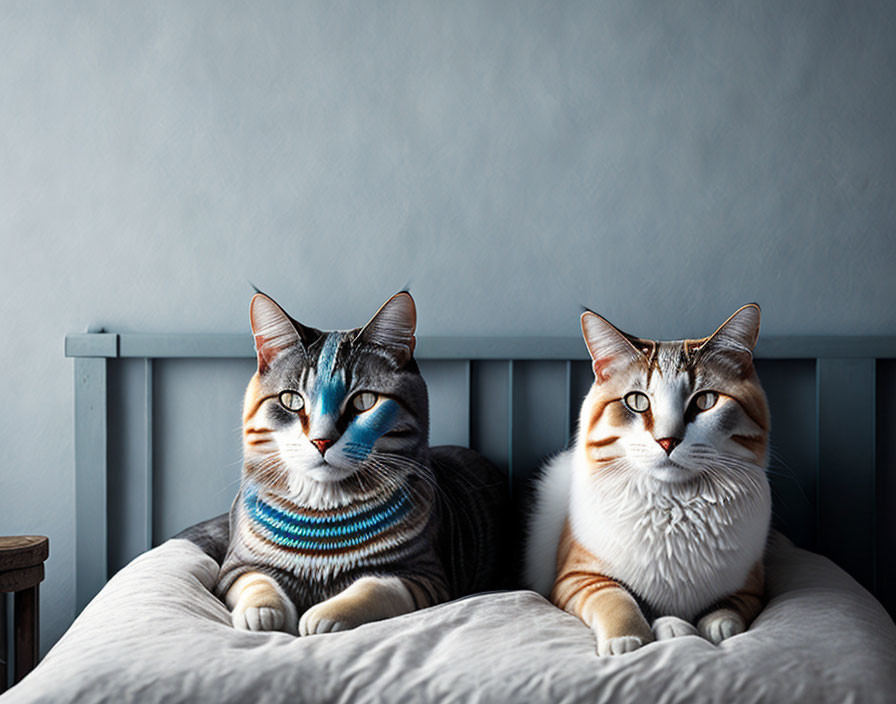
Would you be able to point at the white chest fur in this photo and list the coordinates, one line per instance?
(678, 547)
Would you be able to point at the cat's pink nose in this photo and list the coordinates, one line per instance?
(669, 444)
(322, 444)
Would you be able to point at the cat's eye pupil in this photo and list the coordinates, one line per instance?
(706, 400)
(291, 400)
(636, 401)
(364, 401)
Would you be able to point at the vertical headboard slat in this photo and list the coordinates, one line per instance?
(148, 457)
(90, 477)
(510, 414)
(846, 464)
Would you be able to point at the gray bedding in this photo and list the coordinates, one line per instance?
(155, 633)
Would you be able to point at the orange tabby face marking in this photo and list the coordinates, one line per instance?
(674, 409)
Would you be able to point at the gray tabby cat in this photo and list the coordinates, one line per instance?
(344, 514)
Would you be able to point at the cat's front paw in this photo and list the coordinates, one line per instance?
(718, 625)
(619, 645)
(258, 604)
(368, 599)
(260, 618)
(666, 627)
(327, 617)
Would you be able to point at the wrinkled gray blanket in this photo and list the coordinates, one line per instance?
(155, 633)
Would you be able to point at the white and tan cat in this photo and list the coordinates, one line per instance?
(661, 509)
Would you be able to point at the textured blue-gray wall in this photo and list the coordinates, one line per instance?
(661, 163)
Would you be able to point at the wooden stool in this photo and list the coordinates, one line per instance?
(21, 571)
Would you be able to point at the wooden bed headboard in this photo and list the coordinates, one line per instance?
(157, 434)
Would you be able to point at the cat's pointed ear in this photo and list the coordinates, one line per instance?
(272, 328)
(393, 326)
(609, 347)
(736, 338)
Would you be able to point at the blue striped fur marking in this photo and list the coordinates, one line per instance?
(324, 533)
(329, 386)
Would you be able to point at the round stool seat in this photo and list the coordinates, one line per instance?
(22, 561)
(23, 551)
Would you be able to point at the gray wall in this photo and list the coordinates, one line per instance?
(661, 163)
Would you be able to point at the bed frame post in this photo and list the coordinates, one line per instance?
(91, 459)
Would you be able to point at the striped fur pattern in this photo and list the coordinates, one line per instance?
(340, 518)
(653, 525)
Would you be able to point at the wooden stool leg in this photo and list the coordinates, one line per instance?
(25, 626)
(4, 646)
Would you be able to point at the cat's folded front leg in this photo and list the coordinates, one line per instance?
(605, 606)
(257, 603)
(367, 599)
(617, 621)
(582, 589)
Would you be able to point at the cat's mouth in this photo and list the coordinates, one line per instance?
(667, 470)
(329, 468)
(325, 472)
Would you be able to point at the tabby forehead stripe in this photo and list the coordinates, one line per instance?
(329, 386)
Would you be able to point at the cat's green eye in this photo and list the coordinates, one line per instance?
(636, 401)
(364, 401)
(291, 400)
(706, 400)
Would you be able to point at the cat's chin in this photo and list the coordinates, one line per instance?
(327, 474)
(321, 487)
(320, 472)
(671, 473)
